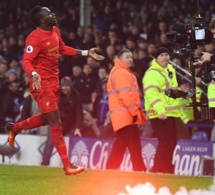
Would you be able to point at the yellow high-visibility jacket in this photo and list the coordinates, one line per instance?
(211, 94)
(123, 97)
(187, 111)
(155, 82)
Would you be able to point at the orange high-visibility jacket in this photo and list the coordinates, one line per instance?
(124, 97)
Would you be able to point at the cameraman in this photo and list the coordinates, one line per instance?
(211, 87)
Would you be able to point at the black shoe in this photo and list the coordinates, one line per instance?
(72, 169)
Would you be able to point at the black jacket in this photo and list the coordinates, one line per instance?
(70, 108)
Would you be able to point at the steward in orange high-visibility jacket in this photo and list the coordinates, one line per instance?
(125, 112)
(124, 97)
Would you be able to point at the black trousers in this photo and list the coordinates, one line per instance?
(47, 152)
(166, 133)
(127, 137)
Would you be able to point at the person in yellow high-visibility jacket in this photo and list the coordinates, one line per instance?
(210, 57)
(188, 111)
(211, 104)
(162, 111)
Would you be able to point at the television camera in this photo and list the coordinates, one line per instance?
(184, 39)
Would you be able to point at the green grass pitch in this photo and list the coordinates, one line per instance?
(33, 180)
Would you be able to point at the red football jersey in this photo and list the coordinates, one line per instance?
(42, 51)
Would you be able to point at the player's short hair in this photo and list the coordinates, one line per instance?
(121, 52)
(212, 24)
(35, 15)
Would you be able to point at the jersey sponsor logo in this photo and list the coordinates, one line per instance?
(29, 49)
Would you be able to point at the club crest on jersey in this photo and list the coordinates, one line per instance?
(29, 49)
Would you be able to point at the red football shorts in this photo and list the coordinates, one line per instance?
(47, 98)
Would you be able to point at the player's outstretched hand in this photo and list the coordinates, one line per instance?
(93, 54)
(36, 81)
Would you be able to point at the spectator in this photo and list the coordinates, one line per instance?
(109, 56)
(10, 103)
(76, 72)
(135, 32)
(131, 44)
(95, 67)
(85, 85)
(141, 64)
(72, 39)
(101, 111)
(24, 83)
(142, 43)
(90, 127)
(152, 47)
(14, 65)
(162, 27)
(181, 65)
(87, 42)
(112, 37)
(163, 40)
(11, 75)
(80, 33)
(103, 75)
(100, 105)
(125, 32)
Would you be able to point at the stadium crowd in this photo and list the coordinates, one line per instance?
(139, 26)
